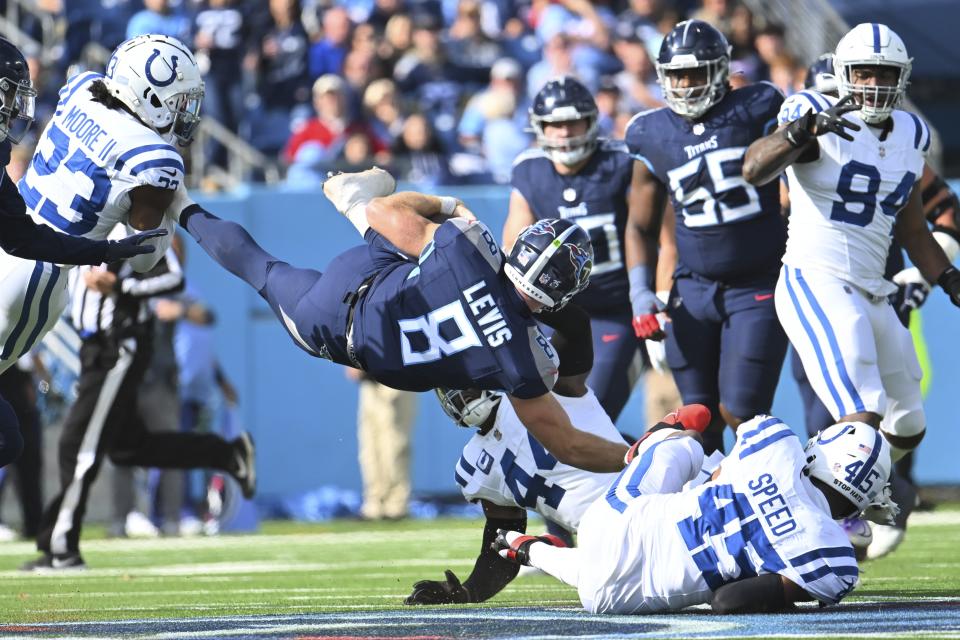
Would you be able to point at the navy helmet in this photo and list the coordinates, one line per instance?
(694, 44)
(820, 75)
(551, 261)
(565, 99)
(16, 93)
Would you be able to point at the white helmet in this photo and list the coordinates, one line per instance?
(470, 408)
(872, 44)
(854, 459)
(157, 78)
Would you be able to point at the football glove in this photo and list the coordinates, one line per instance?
(515, 546)
(657, 354)
(132, 245)
(450, 591)
(913, 291)
(810, 125)
(949, 281)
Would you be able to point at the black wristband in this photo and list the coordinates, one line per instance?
(798, 132)
(949, 280)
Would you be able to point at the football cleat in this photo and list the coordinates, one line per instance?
(515, 546)
(886, 538)
(245, 469)
(348, 190)
(49, 562)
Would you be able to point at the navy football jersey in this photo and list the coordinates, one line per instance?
(453, 319)
(596, 199)
(727, 229)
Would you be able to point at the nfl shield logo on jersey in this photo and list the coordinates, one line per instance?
(698, 129)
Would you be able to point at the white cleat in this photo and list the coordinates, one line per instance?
(347, 190)
(886, 539)
(138, 525)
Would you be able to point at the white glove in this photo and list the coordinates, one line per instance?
(657, 349)
(657, 353)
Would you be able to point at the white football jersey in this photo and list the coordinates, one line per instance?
(509, 467)
(843, 206)
(88, 159)
(761, 515)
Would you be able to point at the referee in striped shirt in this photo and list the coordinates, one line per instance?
(110, 309)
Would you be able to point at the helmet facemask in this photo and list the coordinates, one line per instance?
(16, 110)
(572, 150)
(469, 408)
(186, 116)
(693, 101)
(876, 102)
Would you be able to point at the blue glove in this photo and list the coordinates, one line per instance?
(132, 245)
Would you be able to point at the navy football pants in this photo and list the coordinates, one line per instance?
(616, 360)
(725, 345)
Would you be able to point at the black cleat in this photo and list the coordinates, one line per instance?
(245, 470)
(58, 562)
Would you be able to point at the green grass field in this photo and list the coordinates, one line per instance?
(343, 566)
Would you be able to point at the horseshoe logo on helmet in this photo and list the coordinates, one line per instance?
(172, 65)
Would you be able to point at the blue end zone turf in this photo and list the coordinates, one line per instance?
(879, 616)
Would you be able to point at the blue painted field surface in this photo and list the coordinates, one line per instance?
(879, 618)
(348, 580)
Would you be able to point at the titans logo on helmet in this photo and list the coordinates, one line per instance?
(582, 262)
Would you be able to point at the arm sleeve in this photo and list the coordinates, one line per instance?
(491, 573)
(20, 236)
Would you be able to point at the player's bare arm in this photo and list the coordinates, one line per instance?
(646, 202)
(667, 253)
(548, 422)
(768, 593)
(490, 574)
(912, 232)
(147, 206)
(520, 215)
(767, 158)
(409, 219)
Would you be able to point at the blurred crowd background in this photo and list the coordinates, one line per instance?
(436, 90)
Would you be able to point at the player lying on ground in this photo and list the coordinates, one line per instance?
(429, 301)
(759, 537)
(508, 471)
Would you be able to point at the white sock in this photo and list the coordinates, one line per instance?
(357, 215)
(562, 563)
